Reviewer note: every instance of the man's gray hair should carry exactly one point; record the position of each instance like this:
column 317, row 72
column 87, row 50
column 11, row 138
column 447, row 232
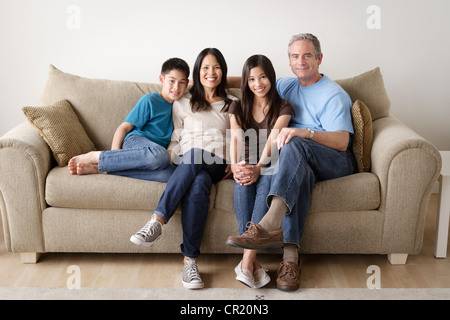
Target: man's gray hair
column 306, row 37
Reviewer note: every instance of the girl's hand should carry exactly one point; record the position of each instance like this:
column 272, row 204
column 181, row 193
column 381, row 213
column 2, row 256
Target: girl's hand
column 246, row 174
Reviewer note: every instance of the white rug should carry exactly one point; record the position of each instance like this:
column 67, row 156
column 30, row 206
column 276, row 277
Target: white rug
column 19, row 293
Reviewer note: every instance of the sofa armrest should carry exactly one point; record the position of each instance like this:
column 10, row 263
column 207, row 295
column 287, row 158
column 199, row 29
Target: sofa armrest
column 25, row 160
column 407, row 166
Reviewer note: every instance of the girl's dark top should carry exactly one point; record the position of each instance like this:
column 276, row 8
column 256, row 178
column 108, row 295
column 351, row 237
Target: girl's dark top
column 256, row 138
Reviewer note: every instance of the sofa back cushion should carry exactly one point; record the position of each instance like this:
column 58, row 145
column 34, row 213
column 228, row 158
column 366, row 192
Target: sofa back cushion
column 101, row 105
column 369, row 88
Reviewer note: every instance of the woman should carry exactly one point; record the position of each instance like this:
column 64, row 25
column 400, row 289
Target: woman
column 198, row 147
column 259, row 116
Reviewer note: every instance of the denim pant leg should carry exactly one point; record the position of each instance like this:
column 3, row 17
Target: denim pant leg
column 250, row 201
column 139, row 158
column 293, row 224
column 194, row 211
column 188, row 181
column 303, row 162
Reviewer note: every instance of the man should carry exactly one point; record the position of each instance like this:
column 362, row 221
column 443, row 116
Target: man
column 314, row 147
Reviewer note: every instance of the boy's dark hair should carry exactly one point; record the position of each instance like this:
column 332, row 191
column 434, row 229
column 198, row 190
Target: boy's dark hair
column 175, row 64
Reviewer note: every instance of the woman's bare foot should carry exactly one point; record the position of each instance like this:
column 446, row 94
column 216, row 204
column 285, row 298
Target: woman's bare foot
column 90, row 158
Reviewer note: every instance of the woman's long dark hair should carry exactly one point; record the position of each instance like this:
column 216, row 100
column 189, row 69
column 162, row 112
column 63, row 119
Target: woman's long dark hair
column 243, row 110
column 198, row 101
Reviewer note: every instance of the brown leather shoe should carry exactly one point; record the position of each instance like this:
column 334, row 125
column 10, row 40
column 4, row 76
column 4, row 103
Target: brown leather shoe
column 288, row 276
column 257, row 238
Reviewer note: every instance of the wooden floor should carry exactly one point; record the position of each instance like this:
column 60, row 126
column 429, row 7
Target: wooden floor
column 164, row 270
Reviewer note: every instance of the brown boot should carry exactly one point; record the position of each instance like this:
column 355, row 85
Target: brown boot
column 288, row 276
column 257, row 238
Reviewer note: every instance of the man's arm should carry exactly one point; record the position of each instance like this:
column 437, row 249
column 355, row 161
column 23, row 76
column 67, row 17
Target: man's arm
column 337, row 140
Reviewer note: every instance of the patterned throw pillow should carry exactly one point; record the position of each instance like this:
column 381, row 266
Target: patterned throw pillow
column 61, row 129
column 363, row 137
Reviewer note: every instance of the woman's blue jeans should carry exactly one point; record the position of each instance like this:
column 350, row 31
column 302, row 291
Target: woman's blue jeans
column 250, row 201
column 190, row 185
column 139, row 158
column 302, row 163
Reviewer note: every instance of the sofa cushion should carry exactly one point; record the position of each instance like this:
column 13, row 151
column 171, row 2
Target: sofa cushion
column 101, row 105
column 369, row 87
column 363, row 137
column 101, row 191
column 356, row 192
column 61, row 129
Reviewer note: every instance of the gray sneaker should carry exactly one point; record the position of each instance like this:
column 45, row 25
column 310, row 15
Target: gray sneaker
column 147, row 236
column 191, row 277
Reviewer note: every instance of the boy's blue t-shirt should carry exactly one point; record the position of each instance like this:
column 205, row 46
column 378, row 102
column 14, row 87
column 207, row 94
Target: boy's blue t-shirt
column 152, row 118
column 323, row 106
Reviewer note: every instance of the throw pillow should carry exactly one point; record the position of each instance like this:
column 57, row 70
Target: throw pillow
column 61, row 129
column 363, row 137
column 369, row 87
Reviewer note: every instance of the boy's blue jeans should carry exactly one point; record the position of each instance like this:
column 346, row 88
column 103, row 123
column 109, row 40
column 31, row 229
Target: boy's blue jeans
column 139, row 158
column 190, row 185
column 302, row 163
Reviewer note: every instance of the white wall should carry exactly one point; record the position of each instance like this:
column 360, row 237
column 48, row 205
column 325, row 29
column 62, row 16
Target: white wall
column 129, row 40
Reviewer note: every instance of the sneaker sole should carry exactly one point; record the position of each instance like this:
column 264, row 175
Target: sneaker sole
column 274, row 245
column 194, row 286
column 262, row 283
column 141, row 243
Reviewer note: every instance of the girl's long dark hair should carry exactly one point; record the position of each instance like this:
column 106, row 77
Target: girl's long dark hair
column 243, row 110
column 198, row 101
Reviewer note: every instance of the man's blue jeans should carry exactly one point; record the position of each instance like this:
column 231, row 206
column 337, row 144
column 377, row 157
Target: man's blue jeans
column 139, row 158
column 302, row 163
column 190, row 185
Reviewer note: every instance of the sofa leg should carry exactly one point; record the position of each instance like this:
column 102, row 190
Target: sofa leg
column 29, row 257
column 397, row 258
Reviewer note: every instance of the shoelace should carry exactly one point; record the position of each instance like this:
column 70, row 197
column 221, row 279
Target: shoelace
column 150, row 228
column 288, row 270
column 251, row 228
column 192, row 270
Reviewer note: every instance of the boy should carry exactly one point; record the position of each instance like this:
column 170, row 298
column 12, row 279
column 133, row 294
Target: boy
column 139, row 144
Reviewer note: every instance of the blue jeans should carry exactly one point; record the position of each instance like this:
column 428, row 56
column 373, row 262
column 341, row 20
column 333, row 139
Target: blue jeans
column 190, row 185
column 139, row 158
column 250, row 201
column 302, row 163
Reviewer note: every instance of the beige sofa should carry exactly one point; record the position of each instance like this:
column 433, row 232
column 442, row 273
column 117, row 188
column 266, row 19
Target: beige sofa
column 44, row 209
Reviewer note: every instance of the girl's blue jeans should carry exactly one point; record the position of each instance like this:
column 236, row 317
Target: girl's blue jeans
column 250, row 201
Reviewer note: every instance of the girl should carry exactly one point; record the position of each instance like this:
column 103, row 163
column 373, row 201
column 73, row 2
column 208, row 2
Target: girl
column 259, row 116
column 198, row 145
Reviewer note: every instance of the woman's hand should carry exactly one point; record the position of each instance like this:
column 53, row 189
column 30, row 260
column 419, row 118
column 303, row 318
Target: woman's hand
column 228, row 172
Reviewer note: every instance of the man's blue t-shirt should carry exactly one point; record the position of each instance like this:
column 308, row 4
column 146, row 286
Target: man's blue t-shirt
column 152, row 118
column 323, row 106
